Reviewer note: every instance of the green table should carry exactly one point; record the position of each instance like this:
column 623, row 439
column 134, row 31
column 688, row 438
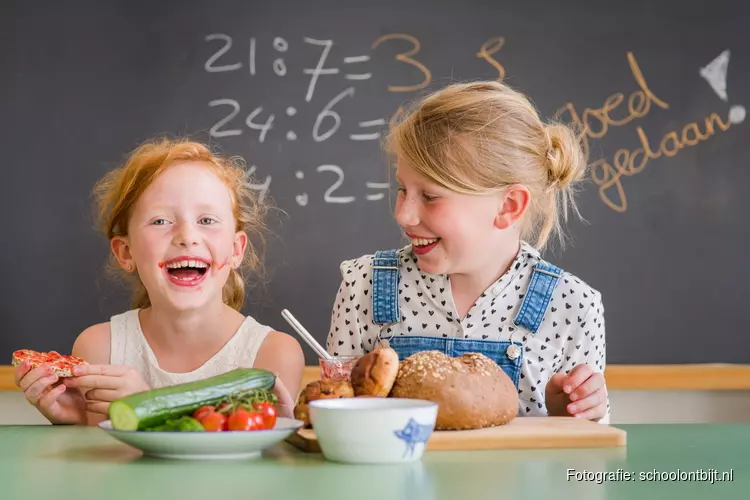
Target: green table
column 60, row 463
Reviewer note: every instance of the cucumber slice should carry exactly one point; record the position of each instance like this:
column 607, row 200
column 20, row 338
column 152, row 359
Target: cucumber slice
column 154, row 407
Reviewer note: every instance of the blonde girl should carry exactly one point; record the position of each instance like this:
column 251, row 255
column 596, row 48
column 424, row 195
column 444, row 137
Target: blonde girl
column 483, row 184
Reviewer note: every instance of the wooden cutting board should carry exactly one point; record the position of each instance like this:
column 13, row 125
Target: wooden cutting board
column 521, row 433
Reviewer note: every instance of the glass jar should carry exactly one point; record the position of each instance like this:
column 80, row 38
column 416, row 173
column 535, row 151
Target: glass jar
column 338, row 367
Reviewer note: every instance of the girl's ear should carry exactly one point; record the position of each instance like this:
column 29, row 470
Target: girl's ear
column 513, row 204
column 238, row 249
column 120, row 246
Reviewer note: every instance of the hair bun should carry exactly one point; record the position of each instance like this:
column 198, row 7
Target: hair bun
column 564, row 157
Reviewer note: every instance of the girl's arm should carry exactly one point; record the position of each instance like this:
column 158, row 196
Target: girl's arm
column 93, row 345
column 587, row 347
column 352, row 331
column 280, row 353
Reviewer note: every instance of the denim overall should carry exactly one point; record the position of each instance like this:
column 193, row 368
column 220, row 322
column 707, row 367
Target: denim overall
column 508, row 355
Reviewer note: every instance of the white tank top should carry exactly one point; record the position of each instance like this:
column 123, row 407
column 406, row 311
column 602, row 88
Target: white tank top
column 128, row 346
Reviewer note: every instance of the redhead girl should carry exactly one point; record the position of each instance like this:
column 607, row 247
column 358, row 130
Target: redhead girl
column 179, row 220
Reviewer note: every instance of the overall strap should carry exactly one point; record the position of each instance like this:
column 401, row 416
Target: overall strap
column 538, row 296
column 385, row 278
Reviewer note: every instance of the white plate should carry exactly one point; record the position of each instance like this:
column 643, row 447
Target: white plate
column 205, row 445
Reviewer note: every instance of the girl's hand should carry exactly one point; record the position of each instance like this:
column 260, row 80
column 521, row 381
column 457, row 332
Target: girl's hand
column 53, row 400
column 285, row 403
column 102, row 384
column 582, row 393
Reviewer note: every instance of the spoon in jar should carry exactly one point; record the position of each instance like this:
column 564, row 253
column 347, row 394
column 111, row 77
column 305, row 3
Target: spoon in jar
column 306, row 336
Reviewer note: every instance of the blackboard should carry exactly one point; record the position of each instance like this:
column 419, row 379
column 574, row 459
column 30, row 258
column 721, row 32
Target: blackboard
column 84, row 82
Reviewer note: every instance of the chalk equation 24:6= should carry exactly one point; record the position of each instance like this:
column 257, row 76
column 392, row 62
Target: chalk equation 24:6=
column 226, row 127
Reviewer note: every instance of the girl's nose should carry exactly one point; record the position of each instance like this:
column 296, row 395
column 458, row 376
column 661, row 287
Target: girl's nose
column 186, row 235
column 407, row 212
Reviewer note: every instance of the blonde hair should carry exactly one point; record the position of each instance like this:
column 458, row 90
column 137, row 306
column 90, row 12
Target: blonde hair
column 119, row 190
column 480, row 137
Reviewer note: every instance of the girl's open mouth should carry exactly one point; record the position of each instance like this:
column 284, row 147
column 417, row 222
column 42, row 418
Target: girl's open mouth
column 422, row 246
column 186, row 272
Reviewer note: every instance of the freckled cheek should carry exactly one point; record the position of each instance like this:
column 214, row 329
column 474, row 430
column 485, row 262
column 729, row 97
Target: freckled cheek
column 442, row 221
column 214, row 251
column 148, row 249
column 221, row 249
column 459, row 232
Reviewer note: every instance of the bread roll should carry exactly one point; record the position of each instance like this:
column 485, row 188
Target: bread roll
column 320, row 389
column 375, row 373
column 472, row 390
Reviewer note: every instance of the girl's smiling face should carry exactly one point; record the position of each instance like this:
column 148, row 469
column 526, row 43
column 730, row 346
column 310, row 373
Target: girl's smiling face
column 450, row 232
column 182, row 237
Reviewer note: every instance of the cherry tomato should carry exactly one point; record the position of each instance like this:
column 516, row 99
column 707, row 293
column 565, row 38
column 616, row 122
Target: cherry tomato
column 239, row 420
column 213, row 421
column 269, row 414
column 258, row 423
column 243, row 420
column 203, row 410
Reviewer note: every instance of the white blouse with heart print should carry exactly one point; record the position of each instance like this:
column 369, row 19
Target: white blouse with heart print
column 571, row 333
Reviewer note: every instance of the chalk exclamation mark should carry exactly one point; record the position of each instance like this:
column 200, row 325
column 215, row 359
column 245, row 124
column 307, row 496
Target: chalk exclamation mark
column 715, row 74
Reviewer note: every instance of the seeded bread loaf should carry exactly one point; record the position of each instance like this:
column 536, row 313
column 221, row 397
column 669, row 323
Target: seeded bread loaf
column 472, row 391
column 375, row 373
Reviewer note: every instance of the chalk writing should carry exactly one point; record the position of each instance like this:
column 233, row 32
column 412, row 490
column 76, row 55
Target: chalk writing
column 328, row 197
column 596, row 122
column 318, row 70
column 380, row 186
column 490, row 48
column 406, row 57
column 263, row 128
column 281, row 45
column 618, row 110
column 252, row 56
column 215, row 130
column 630, row 162
column 329, row 113
column 261, row 188
column 371, row 136
column 209, row 66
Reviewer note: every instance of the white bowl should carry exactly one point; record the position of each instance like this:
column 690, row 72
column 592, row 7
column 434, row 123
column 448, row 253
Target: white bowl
column 373, row 430
column 205, row 445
